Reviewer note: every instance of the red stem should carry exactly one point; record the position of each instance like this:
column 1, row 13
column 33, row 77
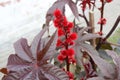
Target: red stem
column 101, row 25
column 66, row 47
column 102, row 14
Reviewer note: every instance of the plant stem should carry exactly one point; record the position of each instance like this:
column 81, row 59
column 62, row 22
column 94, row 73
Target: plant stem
column 85, row 18
column 109, row 34
column 66, row 47
column 102, row 14
column 101, row 26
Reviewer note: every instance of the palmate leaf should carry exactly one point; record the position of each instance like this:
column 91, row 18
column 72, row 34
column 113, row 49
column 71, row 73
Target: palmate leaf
column 26, row 65
column 106, row 69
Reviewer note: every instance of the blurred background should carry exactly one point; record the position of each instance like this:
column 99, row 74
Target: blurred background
column 24, row 18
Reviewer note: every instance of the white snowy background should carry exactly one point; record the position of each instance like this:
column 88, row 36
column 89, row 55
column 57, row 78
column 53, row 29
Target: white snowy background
column 24, row 18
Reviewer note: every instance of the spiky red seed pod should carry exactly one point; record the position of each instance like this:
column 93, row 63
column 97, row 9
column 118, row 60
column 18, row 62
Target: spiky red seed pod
column 71, row 43
column 60, row 57
column 65, row 22
column 60, row 32
column 70, row 52
column 59, row 43
column 70, row 25
column 57, row 13
column 73, row 36
column 56, row 23
column 63, row 52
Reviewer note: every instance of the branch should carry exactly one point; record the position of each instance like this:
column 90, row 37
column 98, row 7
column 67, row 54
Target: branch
column 113, row 28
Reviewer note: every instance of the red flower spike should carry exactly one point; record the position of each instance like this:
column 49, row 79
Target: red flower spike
column 108, row 1
column 70, row 25
column 57, row 13
column 71, row 52
column 73, row 36
column 60, row 32
column 102, row 21
column 59, row 43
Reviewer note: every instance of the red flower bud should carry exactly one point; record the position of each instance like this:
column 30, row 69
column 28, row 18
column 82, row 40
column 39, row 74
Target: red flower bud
column 102, row 21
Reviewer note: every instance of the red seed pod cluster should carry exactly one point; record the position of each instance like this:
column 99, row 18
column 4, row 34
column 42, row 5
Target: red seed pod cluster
column 64, row 29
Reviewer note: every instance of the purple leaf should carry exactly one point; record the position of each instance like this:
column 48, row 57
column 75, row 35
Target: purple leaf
column 78, row 54
column 89, row 36
column 23, row 66
column 30, row 71
column 107, row 69
column 96, row 78
column 22, row 50
column 116, row 59
column 80, row 33
column 54, row 73
column 15, row 63
column 47, row 47
column 36, row 44
column 73, row 8
column 51, row 49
